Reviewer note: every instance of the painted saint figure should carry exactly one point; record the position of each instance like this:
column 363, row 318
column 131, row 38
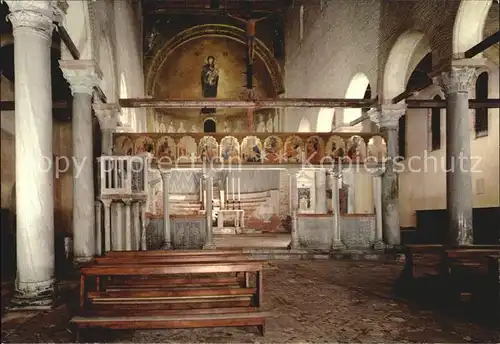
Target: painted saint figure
column 209, row 78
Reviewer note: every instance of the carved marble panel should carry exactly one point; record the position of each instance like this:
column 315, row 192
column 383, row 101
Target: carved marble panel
column 315, row 232
column 188, row 233
column 357, row 231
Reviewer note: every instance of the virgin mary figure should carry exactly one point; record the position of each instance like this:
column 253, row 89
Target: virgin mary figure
column 209, row 78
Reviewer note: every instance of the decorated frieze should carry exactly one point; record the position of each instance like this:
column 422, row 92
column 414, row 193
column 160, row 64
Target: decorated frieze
column 247, row 148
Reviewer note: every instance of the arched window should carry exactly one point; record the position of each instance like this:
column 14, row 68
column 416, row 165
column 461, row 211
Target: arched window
column 481, row 117
column 209, row 126
column 301, row 22
column 436, row 126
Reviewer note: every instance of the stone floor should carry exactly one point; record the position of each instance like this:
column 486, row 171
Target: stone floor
column 310, row 301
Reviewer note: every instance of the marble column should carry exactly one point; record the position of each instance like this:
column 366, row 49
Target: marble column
column 336, row 236
column 293, row 204
column 128, row 223
column 144, row 226
column 98, row 228
column 107, row 224
column 136, row 214
column 117, row 243
column 377, row 201
column 82, row 76
column 167, row 243
column 320, row 184
column 32, row 24
column 209, row 182
column 456, row 84
column 108, row 115
column 387, row 118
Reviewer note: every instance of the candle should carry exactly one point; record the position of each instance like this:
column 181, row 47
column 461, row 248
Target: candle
column 232, row 186
column 239, row 189
column 201, row 190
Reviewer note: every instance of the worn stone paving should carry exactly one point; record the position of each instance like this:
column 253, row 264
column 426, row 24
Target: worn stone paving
column 310, row 301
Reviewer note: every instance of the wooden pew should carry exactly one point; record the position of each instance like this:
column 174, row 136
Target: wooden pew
column 156, row 253
column 494, row 280
column 422, row 260
column 174, row 308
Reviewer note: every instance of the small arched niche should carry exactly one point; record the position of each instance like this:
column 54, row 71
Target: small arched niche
column 209, row 126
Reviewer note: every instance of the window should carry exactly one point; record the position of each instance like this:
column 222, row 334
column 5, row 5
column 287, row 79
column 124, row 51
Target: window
column 301, row 22
column 402, row 137
column 436, row 126
column 481, row 117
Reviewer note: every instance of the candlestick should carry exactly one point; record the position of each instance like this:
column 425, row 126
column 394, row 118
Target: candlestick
column 239, row 179
column 232, row 186
column 201, row 190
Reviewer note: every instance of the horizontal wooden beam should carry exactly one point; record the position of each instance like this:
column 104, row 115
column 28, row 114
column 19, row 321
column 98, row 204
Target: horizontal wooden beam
column 290, row 102
column 245, row 104
column 483, row 45
column 10, row 105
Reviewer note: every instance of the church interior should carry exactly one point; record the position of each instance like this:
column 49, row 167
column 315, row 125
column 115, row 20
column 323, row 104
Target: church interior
column 162, row 159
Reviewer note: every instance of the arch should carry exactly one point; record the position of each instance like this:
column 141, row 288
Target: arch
column 209, row 125
column 481, row 115
column 304, row 126
column 325, row 120
column 356, row 90
column 107, row 65
column 469, row 24
column 215, row 30
column 411, row 46
column 77, row 22
column 126, row 116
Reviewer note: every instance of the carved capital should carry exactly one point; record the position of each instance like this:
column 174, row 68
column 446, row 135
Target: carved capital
column 458, row 79
column 388, row 115
column 165, row 174
column 108, row 115
column 31, row 17
column 82, row 75
column 376, row 171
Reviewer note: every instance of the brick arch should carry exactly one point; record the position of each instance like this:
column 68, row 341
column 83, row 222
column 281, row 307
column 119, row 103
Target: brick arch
column 469, row 24
column 401, row 58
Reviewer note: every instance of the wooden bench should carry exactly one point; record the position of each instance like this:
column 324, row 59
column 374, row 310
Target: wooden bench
column 423, row 260
column 178, row 307
column 494, row 280
column 155, row 253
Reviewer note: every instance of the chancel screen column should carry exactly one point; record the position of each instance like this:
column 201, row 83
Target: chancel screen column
column 83, row 76
column 209, row 182
column 456, row 84
column 377, row 201
column 336, row 236
column 320, row 184
column 32, row 24
column 293, row 204
column 108, row 116
column 167, row 243
column 387, row 118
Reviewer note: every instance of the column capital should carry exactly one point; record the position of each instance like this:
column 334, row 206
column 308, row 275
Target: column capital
column 458, row 79
column 36, row 16
column 376, row 171
column 387, row 115
column 108, row 115
column 82, row 75
column 335, row 173
column 165, row 174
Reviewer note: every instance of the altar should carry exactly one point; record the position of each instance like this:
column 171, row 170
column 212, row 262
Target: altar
column 236, row 216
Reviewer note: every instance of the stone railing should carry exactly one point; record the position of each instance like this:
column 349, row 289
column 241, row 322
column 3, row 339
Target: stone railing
column 123, row 176
column 248, row 148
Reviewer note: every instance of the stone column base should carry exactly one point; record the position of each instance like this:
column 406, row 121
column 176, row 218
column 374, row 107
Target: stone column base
column 42, row 296
column 79, row 261
column 209, row 246
column 337, row 245
column 379, row 245
column 166, row 246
